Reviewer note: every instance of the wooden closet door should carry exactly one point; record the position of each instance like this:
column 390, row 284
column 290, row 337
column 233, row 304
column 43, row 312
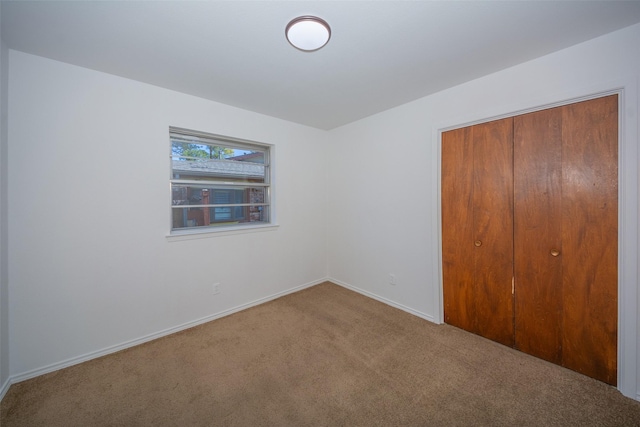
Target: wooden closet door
column 477, row 219
column 536, row 197
column 538, row 233
column 590, row 237
column 565, row 228
column 458, row 267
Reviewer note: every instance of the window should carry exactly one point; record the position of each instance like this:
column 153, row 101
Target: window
column 218, row 181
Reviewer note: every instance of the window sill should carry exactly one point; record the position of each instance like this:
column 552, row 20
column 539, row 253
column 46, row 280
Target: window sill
column 221, row 231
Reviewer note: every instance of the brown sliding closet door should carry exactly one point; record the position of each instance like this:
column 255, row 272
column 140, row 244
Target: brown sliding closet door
column 535, row 198
column 538, row 233
column 477, row 212
column 590, row 237
column 566, row 210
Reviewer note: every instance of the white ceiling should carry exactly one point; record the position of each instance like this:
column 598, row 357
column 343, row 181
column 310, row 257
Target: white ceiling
column 381, row 53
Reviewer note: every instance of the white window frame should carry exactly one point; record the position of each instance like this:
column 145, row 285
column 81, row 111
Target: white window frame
column 180, row 233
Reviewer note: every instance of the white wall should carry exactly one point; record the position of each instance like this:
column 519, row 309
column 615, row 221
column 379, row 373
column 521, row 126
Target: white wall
column 90, row 266
column 4, row 254
column 384, row 206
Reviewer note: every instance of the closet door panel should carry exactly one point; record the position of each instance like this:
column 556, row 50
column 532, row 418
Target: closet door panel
column 538, row 233
column 457, row 234
column 590, row 230
column 493, row 228
column 477, row 229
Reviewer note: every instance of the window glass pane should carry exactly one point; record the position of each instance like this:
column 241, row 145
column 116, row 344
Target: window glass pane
column 185, row 217
column 217, row 181
column 221, row 170
column 216, row 195
column 191, row 159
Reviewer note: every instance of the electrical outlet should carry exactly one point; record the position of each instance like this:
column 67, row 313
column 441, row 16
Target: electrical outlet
column 392, row 279
column 216, row 288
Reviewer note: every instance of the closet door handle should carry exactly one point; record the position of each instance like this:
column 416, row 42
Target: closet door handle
column 478, row 243
column 555, row 252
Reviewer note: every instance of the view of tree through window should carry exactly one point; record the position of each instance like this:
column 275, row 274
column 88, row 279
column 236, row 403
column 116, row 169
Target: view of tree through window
column 218, row 181
column 186, row 150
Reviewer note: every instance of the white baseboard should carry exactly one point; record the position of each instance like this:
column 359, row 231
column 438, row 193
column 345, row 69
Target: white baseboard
column 106, row 351
column 132, row 343
column 5, row 388
column 384, row 300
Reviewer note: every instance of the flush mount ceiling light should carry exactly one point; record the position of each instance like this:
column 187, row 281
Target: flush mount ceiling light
column 308, row 33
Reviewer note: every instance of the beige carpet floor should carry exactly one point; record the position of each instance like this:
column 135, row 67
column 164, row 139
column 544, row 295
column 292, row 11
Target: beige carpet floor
column 324, row 356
